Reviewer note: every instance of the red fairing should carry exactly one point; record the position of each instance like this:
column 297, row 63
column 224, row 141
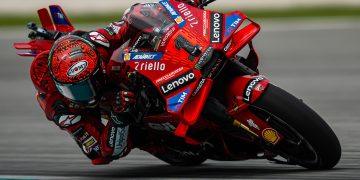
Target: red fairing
column 246, row 89
column 35, row 47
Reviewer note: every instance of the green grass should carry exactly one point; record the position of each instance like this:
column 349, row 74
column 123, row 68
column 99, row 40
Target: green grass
column 306, row 12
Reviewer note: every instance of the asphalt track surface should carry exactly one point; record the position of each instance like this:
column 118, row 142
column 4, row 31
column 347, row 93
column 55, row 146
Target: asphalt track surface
column 318, row 61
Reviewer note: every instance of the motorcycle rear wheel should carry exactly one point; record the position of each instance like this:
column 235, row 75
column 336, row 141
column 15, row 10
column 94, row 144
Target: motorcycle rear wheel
column 316, row 143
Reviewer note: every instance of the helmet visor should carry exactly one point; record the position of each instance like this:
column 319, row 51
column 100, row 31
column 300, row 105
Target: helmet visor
column 83, row 92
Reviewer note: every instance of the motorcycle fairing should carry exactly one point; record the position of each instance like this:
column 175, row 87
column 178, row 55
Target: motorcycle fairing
column 193, row 25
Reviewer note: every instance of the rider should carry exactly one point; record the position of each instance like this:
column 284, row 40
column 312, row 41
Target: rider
column 90, row 99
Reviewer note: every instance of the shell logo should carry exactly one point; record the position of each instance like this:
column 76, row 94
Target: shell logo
column 127, row 56
column 270, row 135
column 179, row 19
column 77, row 68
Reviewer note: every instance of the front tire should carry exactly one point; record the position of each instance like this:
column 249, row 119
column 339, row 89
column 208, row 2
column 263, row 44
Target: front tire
column 284, row 107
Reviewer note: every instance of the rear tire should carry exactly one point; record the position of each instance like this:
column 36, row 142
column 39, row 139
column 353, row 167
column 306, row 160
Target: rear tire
column 305, row 122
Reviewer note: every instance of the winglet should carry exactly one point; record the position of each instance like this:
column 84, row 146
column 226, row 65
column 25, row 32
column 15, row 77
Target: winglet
column 45, row 19
column 61, row 21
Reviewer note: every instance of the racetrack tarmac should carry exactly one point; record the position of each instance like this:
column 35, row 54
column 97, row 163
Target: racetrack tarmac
column 318, row 61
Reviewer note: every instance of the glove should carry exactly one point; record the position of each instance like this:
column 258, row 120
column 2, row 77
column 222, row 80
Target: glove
column 123, row 101
column 195, row 3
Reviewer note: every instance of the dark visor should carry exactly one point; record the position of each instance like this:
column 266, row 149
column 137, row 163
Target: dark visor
column 82, row 92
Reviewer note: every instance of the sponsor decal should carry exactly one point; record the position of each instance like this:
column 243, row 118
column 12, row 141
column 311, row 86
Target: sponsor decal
column 214, row 68
column 205, row 24
column 115, row 28
column 75, row 54
column 205, row 57
column 90, row 143
column 136, row 44
column 60, row 15
column 175, row 102
column 270, row 135
column 200, row 85
column 162, row 126
column 250, row 87
column 111, row 137
column 231, row 22
column 184, row 10
column 173, row 13
column 110, row 31
column 75, row 106
column 178, row 83
column 252, row 124
column 77, row 68
column 76, row 51
column 169, row 76
column 216, row 27
column 120, row 140
column 99, row 38
column 226, row 48
column 166, row 37
column 142, row 56
column 149, row 66
column 115, row 119
column 259, row 87
column 67, row 120
column 119, row 23
column 148, row 5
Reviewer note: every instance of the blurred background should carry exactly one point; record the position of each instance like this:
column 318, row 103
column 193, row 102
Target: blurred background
column 309, row 48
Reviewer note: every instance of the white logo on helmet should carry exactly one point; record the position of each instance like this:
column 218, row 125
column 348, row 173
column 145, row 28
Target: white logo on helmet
column 77, row 68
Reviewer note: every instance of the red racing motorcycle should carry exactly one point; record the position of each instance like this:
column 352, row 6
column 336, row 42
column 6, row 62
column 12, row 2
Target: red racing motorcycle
column 185, row 62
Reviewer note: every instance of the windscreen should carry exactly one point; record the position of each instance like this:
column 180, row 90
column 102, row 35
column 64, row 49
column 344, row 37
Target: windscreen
column 151, row 18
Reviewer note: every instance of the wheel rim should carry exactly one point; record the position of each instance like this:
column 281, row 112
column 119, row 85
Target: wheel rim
column 294, row 147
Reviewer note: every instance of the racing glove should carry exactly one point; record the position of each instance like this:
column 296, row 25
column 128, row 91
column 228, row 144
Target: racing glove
column 123, row 101
column 194, row 3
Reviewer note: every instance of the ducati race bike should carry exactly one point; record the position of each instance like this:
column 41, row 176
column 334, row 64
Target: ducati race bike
column 185, row 62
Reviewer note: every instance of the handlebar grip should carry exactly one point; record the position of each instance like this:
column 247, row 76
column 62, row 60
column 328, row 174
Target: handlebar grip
column 38, row 31
column 183, row 43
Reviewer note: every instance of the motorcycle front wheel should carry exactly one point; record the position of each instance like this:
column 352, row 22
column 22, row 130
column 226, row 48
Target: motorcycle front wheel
column 308, row 140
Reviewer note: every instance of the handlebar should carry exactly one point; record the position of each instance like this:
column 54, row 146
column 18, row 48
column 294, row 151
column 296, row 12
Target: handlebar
column 38, row 31
column 206, row 3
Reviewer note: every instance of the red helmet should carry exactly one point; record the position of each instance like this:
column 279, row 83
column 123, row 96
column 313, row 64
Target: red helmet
column 76, row 68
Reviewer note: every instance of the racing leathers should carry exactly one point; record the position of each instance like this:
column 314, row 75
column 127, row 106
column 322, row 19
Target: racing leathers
column 101, row 130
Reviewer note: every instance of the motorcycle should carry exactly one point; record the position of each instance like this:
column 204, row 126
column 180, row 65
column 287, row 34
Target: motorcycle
column 185, row 57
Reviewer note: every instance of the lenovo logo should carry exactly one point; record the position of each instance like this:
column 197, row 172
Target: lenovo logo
column 250, row 88
column 216, row 27
column 178, row 83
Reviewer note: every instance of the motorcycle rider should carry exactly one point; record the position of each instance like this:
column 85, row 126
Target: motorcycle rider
column 90, row 99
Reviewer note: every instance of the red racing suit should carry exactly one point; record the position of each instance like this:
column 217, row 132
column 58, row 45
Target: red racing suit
column 102, row 135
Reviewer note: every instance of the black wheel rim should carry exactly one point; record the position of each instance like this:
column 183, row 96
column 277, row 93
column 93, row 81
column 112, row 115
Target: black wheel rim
column 294, row 147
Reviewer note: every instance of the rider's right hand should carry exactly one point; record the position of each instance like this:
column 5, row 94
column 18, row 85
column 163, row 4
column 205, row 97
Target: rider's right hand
column 123, row 101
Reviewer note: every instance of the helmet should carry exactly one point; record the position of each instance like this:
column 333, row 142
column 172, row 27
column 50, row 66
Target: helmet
column 77, row 70
column 39, row 73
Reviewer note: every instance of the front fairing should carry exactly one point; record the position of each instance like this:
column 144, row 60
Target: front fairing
column 176, row 73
